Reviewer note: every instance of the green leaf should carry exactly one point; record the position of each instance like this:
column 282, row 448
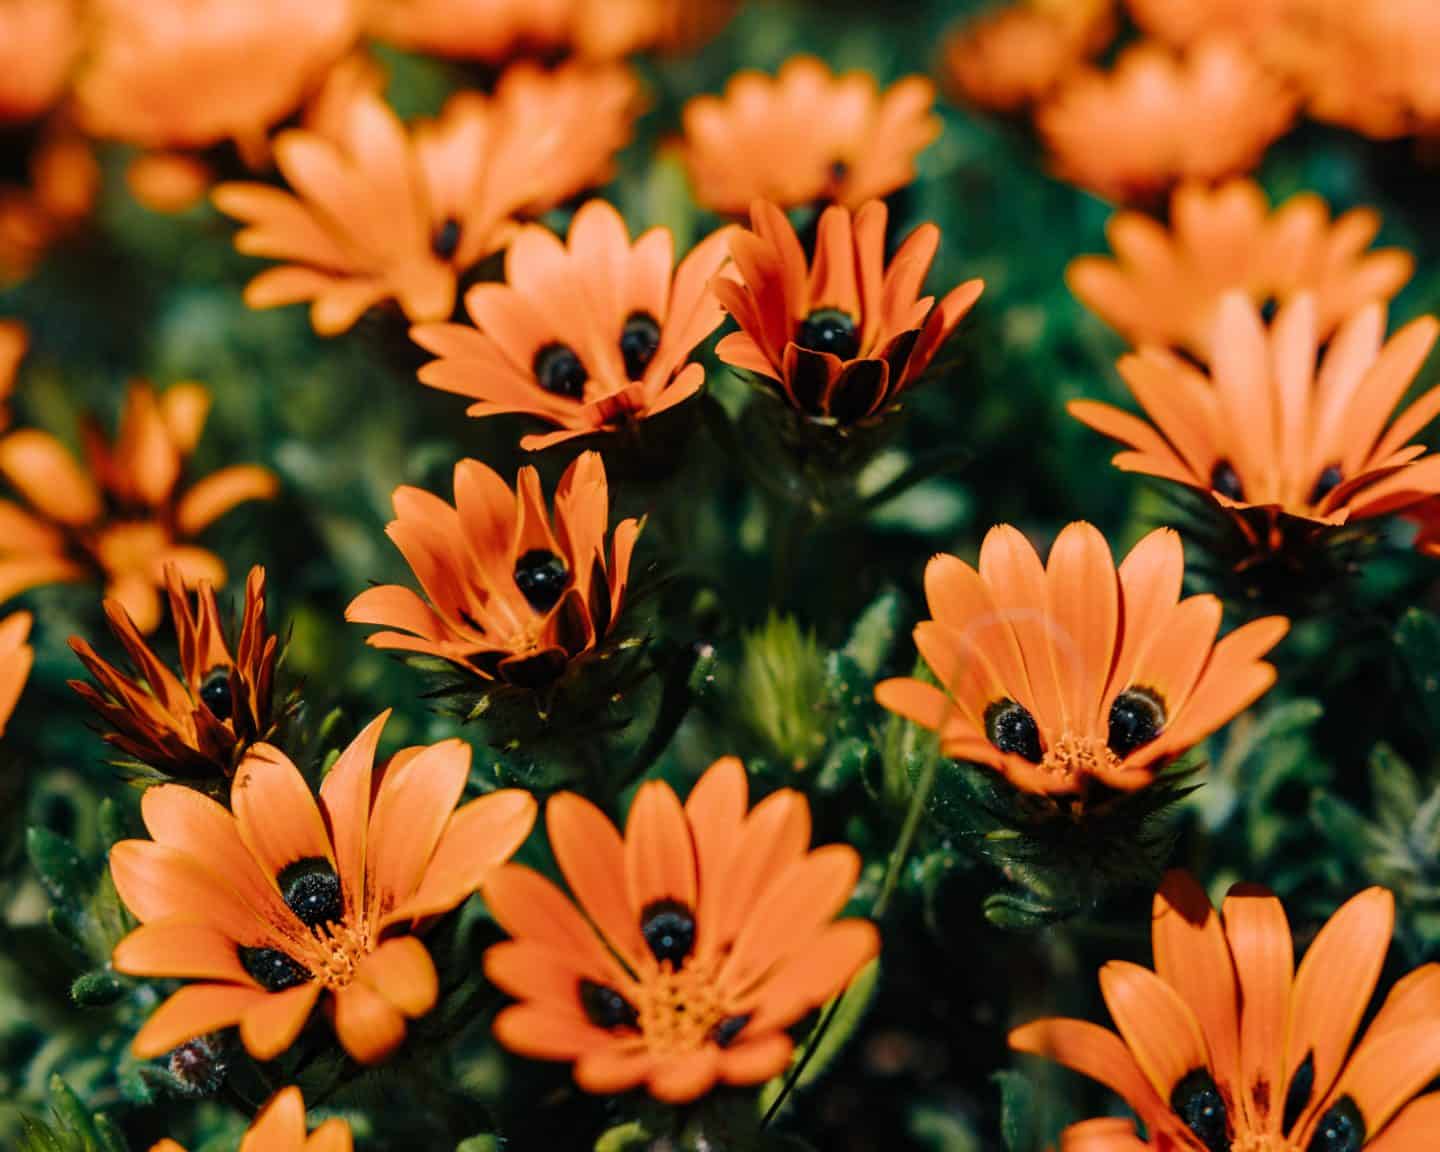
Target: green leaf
column 485, row 1143
column 632, row 1137
column 97, row 989
column 873, row 637
column 60, row 867
column 1018, row 1108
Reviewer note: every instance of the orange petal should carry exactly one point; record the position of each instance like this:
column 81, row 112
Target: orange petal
column 401, row 970
column 1260, row 942
column 530, row 907
column 815, row 974
column 1413, row 1130
column 755, row 1061
column 279, row 1126
column 1099, row 1054
column 41, row 470
column 540, row 1033
column 687, row 1076
column 659, row 852
column 1082, row 609
column 1157, row 1025
column 591, row 856
column 368, row 1025
column 775, row 834
column 191, row 1012
column 276, row 811
column 1107, row 1134
column 1385, row 1075
column 615, row 1067
column 270, row 1026
column 345, row 804
column 210, row 498
column 715, row 809
column 157, row 882
column 183, row 950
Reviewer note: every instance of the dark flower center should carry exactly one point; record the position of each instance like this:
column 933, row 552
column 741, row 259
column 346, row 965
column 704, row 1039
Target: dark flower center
column 1329, row 480
column 1341, row 1129
column 446, row 239
column 638, row 343
column 606, row 1008
column 669, row 928
column 1010, row 727
column 1302, row 1084
column 829, row 330
column 1225, row 480
column 1136, row 718
column 541, row 577
column 215, row 694
column 272, row 969
column 1198, row 1103
column 728, row 1030
column 312, row 890
column 560, row 371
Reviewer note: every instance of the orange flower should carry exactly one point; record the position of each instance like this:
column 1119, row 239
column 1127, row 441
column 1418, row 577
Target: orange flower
column 283, row 901
column 1226, row 1044
column 39, row 40
column 1161, row 117
column 1265, row 430
column 64, row 183
column 508, row 596
column 14, row 340
column 1185, row 21
column 16, row 658
column 588, row 337
column 697, row 941
column 200, row 724
column 125, row 518
column 380, row 214
column 280, row 1127
column 806, row 135
column 841, row 337
column 1074, row 673
column 1164, row 286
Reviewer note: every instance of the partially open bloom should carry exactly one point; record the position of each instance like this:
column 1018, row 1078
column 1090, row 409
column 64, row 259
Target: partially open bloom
column 39, row 40
column 806, row 136
column 63, row 181
column 277, row 902
column 280, row 1127
column 685, row 949
column 200, row 724
column 1073, row 674
column 840, row 337
column 16, row 658
column 1266, row 431
column 510, row 595
column 126, row 516
column 1160, row 117
column 1226, row 1044
column 587, row 336
column 1164, row 286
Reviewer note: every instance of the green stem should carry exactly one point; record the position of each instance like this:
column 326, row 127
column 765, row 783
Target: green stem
column 918, row 799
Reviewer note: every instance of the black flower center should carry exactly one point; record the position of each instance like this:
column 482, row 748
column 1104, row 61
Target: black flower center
column 1302, row 1084
column 446, row 240
column 1010, row 727
column 728, row 1030
column 1225, row 480
column 215, row 694
column 1341, row 1129
column 638, row 343
column 669, row 928
column 560, row 371
column 312, row 890
column 541, row 577
column 829, row 330
column 1136, row 718
column 606, row 1008
column 1329, row 480
column 1198, row 1103
column 272, row 969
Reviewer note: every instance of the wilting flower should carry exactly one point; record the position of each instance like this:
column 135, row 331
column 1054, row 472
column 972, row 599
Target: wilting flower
column 1071, row 674
column 806, row 136
column 839, row 337
column 1226, row 1044
column 378, row 213
column 1265, row 430
column 39, row 40
column 510, row 595
column 686, row 949
column 16, row 658
column 1160, row 117
column 588, row 336
column 281, row 902
column 64, row 181
column 1165, row 286
column 125, row 517
column 201, row 723
column 280, row 1127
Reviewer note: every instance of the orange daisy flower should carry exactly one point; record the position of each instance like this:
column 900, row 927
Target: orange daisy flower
column 840, row 337
column 280, row 1127
column 697, row 941
column 39, row 40
column 16, row 659
column 1265, row 430
column 64, row 181
column 637, row 316
column 124, row 518
column 1164, row 286
column 1227, row 1044
column 284, row 901
column 1160, row 117
column 805, row 136
column 197, row 725
column 379, row 213
column 510, row 594
column 1073, row 673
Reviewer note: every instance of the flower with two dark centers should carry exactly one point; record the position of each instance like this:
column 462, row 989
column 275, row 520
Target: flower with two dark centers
column 280, row 1127
column 839, row 337
column 1227, row 1046
column 510, row 595
column 1069, row 675
column 199, row 724
column 280, row 901
column 591, row 335
column 686, row 948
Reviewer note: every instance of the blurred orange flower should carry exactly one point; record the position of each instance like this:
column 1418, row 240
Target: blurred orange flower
column 1164, row 285
column 64, row 183
column 840, row 337
column 1185, row 21
column 39, row 40
column 806, row 136
column 587, row 336
column 124, row 517
column 280, row 1127
column 14, row 340
column 509, row 594
column 16, row 658
column 1160, row 117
